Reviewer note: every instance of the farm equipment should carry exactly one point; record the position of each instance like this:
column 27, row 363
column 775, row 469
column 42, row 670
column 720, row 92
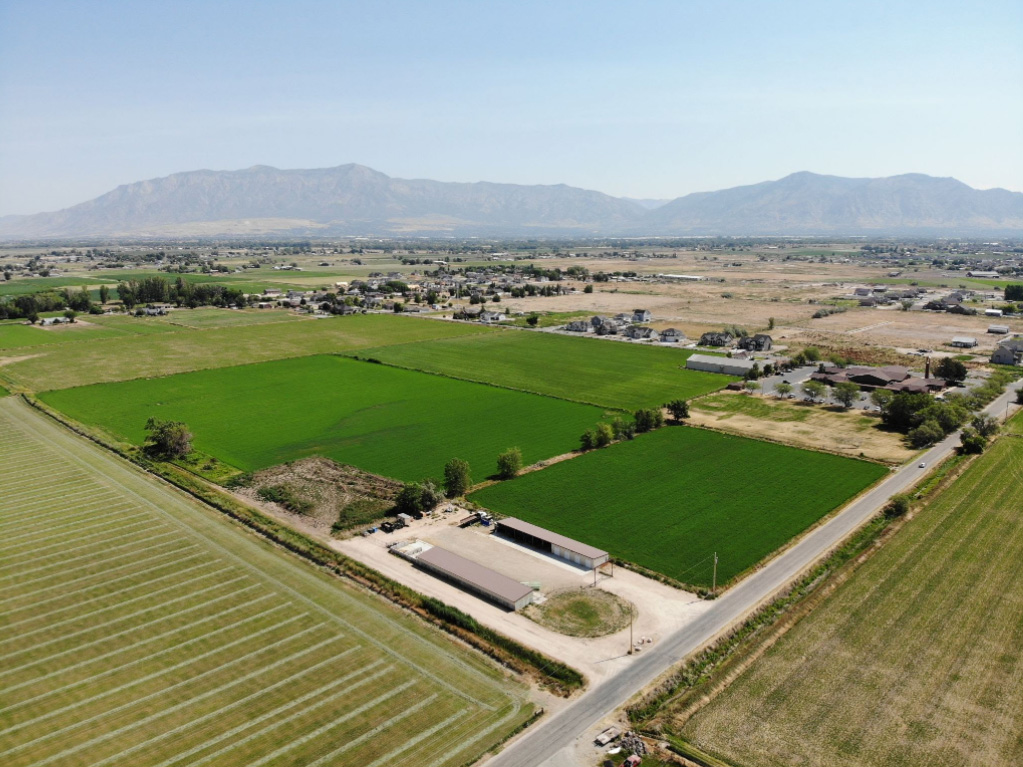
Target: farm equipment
column 472, row 519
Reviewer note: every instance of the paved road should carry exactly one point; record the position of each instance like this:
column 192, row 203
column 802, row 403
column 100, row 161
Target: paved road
column 542, row 745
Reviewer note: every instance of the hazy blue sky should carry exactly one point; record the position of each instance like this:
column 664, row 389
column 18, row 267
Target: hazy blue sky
column 646, row 99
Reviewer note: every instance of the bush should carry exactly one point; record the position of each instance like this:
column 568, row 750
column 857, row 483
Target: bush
column 972, row 441
column 648, row 419
column 951, row 370
column 286, row 497
column 509, row 463
column 417, row 497
column 897, row 506
column 167, row 439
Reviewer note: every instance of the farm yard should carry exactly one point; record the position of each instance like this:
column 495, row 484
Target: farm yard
column 925, row 636
column 604, row 373
column 669, row 499
column 393, row 422
column 117, row 359
column 138, row 628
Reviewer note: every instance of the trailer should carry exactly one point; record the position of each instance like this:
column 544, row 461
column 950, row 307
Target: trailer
column 611, row 733
column 472, row 519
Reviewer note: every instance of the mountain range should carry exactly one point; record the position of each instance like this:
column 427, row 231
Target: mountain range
column 356, row 200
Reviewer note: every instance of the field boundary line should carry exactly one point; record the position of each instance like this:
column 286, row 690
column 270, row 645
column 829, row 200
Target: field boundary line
column 119, row 619
column 86, row 556
column 98, row 597
column 39, row 531
column 29, row 554
column 269, row 714
column 149, row 595
column 335, row 722
column 162, row 712
column 98, row 574
column 130, row 629
column 143, row 659
column 371, row 733
column 419, row 738
column 86, row 588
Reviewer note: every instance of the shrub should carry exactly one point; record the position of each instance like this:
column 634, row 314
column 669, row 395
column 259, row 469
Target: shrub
column 897, row 506
column 509, row 463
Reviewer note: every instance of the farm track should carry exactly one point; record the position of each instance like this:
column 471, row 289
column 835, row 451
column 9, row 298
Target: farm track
column 168, row 637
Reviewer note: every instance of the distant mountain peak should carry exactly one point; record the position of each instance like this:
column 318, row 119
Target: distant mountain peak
column 353, row 199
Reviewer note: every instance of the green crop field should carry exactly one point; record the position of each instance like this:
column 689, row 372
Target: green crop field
column 669, row 499
column 37, row 284
column 117, row 359
column 394, row 422
column 18, row 335
column 139, row 628
column 604, row 373
column 914, row 661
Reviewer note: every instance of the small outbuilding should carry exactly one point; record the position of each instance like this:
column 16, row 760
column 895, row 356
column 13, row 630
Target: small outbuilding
column 964, row 342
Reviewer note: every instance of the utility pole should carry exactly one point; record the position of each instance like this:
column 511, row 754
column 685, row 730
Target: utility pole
column 714, row 587
column 631, row 643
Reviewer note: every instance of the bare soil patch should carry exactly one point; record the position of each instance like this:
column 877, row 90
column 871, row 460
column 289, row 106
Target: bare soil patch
column 325, row 497
column 852, row 433
column 587, row 612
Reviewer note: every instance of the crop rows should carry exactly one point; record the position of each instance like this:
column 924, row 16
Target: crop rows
column 136, row 629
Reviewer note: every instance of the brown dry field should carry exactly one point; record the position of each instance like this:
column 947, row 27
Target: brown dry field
column 849, row 433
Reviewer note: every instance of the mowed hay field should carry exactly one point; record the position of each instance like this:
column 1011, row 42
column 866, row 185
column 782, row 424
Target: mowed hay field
column 671, row 498
column 394, row 422
column 138, row 628
column 609, row 374
column 915, row 661
column 122, row 358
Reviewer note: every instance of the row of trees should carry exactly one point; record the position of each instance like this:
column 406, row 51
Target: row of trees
column 150, row 290
column 643, row 420
column 30, row 305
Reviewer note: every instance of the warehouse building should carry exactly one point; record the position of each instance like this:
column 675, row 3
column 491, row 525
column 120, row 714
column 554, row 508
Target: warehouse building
column 475, row 578
column 559, row 545
column 710, row 364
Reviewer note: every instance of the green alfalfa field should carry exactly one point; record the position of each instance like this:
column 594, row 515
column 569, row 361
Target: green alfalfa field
column 610, row 374
column 671, row 498
column 160, row 346
column 386, row 420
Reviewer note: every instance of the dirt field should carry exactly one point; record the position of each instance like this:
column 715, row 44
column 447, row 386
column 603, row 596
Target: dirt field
column 340, row 497
column 792, row 422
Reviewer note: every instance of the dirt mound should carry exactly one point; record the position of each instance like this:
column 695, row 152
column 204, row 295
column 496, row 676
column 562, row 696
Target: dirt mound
column 321, row 495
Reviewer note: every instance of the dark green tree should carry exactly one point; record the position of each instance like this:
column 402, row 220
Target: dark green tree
column 167, row 439
column 456, row 478
column 678, row 408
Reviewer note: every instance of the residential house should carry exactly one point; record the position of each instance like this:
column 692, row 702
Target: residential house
column 1009, row 352
column 716, row 339
column 672, row 336
column 641, row 315
column 761, row 342
column 640, row 333
column 578, row 326
column 489, row 316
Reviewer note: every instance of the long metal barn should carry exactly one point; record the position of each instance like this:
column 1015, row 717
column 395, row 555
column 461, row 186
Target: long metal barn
column 574, row 551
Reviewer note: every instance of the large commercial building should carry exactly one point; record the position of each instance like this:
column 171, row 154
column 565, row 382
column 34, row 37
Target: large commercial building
column 711, row 364
column 559, row 545
column 482, row 581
